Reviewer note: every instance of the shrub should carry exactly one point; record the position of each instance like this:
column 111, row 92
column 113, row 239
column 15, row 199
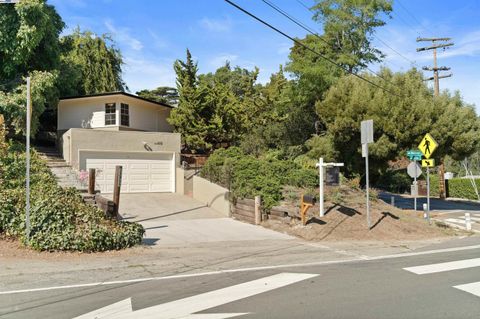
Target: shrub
column 462, row 188
column 59, row 218
column 247, row 176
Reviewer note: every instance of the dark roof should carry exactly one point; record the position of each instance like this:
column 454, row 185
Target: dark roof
column 116, row 93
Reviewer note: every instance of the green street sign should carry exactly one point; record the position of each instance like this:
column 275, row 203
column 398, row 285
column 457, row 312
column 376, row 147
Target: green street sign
column 414, row 155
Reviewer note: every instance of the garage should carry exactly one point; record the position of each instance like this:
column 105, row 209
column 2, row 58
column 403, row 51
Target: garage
column 142, row 172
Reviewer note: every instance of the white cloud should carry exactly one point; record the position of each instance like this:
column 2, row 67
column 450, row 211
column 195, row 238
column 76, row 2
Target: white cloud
column 220, row 60
column 122, row 35
column 216, row 25
column 141, row 73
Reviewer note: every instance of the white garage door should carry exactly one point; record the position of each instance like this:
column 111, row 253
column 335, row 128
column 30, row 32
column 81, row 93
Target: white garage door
column 138, row 175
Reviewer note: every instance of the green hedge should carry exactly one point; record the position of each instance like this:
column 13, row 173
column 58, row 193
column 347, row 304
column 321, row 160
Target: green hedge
column 462, row 188
column 60, row 220
column 247, row 176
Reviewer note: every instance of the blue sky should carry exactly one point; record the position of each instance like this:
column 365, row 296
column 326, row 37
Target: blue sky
column 153, row 33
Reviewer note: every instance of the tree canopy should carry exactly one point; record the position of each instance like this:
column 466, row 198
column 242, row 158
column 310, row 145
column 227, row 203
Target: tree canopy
column 90, row 64
column 162, row 94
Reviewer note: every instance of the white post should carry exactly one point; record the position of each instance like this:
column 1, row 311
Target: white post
column 367, row 186
column 258, row 213
column 468, row 222
column 27, row 173
column 320, row 169
column 416, row 187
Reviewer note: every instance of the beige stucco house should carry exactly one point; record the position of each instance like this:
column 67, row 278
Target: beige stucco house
column 104, row 130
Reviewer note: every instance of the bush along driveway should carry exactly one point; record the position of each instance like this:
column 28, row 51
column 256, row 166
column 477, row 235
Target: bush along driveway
column 60, row 220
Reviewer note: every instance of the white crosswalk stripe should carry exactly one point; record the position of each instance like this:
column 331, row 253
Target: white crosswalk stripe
column 447, row 266
column 472, row 288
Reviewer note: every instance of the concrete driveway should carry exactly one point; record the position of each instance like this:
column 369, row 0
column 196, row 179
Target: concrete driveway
column 178, row 220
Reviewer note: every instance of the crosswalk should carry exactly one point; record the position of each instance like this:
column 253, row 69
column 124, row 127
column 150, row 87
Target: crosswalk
column 458, row 219
column 472, row 288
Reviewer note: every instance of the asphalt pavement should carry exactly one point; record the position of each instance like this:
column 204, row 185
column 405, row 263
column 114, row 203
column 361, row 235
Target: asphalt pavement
column 450, row 212
column 439, row 283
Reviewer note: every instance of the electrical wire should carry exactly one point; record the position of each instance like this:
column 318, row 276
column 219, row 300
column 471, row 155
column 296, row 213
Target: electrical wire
column 306, row 28
column 379, row 39
column 411, row 14
column 308, row 48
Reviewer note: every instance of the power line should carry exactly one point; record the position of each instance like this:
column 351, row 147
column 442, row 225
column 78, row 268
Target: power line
column 304, row 5
column 308, row 48
column 401, row 55
column 379, row 39
column 411, row 14
column 306, row 28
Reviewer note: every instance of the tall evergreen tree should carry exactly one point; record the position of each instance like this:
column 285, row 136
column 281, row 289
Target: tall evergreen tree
column 192, row 116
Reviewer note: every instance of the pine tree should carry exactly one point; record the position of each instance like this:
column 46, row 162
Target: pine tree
column 191, row 117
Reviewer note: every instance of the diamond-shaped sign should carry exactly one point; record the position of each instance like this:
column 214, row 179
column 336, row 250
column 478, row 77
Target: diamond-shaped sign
column 428, row 145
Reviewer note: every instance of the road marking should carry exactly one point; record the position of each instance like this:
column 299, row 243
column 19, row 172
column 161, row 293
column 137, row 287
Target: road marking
column 186, row 307
column 441, row 267
column 473, row 288
column 114, row 310
column 227, row 271
column 457, row 220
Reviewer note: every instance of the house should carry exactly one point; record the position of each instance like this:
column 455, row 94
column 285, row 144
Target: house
column 104, row 130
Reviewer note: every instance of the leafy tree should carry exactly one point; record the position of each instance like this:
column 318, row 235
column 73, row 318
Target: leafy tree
column 400, row 119
column 348, row 27
column 29, row 45
column 90, row 64
column 29, row 32
column 162, row 94
column 12, row 104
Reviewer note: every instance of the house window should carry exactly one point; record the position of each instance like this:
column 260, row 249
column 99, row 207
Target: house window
column 110, row 114
column 124, row 115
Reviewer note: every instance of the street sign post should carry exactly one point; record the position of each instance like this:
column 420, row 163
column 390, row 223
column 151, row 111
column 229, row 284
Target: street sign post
column 321, row 164
column 427, row 146
column 27, row 162
column 366, row 137
column 414, row 170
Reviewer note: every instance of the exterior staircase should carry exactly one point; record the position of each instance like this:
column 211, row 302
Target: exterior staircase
column 66, row 176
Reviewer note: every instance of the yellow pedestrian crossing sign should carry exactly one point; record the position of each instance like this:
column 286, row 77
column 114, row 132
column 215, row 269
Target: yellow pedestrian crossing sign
column 428, row 145
column 428, row 163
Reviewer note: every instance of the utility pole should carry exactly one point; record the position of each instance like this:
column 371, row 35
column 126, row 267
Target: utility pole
column 437, row 43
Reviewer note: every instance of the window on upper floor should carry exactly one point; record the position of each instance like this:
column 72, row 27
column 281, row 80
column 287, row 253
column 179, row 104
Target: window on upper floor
column 110, row 116
column 124, row 115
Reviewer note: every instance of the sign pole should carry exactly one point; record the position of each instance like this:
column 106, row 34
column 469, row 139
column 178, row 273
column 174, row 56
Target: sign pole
column 428, row 194
column 416, row 187
column 367, row 186
column 320, row 170
column 27, row 164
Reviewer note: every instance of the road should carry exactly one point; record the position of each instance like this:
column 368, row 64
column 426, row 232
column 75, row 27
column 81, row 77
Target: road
column 449, row 212
column 435, row 282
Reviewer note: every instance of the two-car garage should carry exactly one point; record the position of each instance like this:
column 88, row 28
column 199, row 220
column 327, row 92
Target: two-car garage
column 141, row 172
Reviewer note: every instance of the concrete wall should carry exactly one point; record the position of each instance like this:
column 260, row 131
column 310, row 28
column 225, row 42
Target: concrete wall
column 212, row 195
column 89, row 112
column 76, row 140
column 180, row 181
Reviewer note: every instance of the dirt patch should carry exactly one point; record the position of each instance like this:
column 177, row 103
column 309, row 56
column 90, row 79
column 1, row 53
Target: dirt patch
column 13, row 249
column 346, row 219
